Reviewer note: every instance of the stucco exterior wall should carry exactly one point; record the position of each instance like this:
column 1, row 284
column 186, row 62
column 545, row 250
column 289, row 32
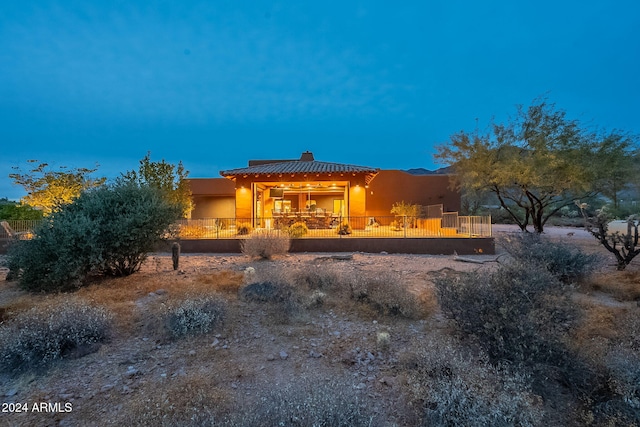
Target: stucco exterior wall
column 391, row 186
column 243, row 203
column 214, row 207
column 214, row 197
column 212, row 187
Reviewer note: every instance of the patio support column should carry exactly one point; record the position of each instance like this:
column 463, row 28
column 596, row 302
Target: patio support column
column 357, row 206
column 244, row 203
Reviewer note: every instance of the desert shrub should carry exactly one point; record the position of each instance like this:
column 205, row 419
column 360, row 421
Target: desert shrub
column 621, row 406
column 266, row 244
column 194, row 231
column 383, row 340
column 396, row 225
column 267, row 292
column 243, row 228
column 318, row 278
column 41, row 335
column 297, row 229
column 454, row 388
column 560, row 259
column 306, row 402
column 344, row 229
column 316, row 299
column 195, row 315
column 407, row 212
column 221, row 224
column 386, row 294
column 187, row 401
column 518, row 312
column 108, row 230
column 624, row 373
column 283, row 300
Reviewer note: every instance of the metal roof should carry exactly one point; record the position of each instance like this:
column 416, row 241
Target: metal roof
column 298, row 167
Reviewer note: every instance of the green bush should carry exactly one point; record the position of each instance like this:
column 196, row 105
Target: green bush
column 108, row 231
column 39, row 336
column 566, row 263
column 517, row 313
column 18, row 211
column 297, row 229
column 195, row 315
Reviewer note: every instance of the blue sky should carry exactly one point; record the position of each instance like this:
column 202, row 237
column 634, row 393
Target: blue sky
column 215, row 83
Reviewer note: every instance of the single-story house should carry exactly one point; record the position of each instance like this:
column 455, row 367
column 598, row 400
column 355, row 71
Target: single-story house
column 266, row 189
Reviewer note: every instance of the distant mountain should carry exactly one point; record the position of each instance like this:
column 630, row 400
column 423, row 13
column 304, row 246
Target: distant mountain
column 423, row 171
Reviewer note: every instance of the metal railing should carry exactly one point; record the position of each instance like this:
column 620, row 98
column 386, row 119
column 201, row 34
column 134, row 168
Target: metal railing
column 475, row 226
column 22, row 227
column 309, row 226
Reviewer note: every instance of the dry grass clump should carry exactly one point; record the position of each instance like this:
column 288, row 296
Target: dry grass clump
column 243, row 228
column 197, row 314
column 386, row 295
column 454, row 388
column 599, row 321
column 563, row 261
column 320, row 277
column 265, row 244
column 598, row 327
column 519, row 313
column 283, row 300
column 622, row 285
column 630, row 324
column 624, row 369
column 192, row 231
column 192, row 401
column 47, row 332
column 18, row 305
column 376, row 294
column 620, row 406
column 306, row 402
column 223, row 281
column 197, row 401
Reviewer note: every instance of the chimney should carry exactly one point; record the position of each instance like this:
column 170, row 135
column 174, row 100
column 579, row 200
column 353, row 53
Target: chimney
column 307, row 156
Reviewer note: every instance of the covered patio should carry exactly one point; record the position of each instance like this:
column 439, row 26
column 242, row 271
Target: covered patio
column 280, row 193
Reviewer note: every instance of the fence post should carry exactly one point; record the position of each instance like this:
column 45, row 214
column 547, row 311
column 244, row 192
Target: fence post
column 404, row 220
column 490, row 227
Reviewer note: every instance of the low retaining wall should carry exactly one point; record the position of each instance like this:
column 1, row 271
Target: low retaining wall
column 431, row 246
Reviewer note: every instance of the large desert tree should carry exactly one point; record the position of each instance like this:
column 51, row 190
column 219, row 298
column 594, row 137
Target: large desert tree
column 49, row 188
column 535, row 164
column 617, row 163
column 170, row 179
